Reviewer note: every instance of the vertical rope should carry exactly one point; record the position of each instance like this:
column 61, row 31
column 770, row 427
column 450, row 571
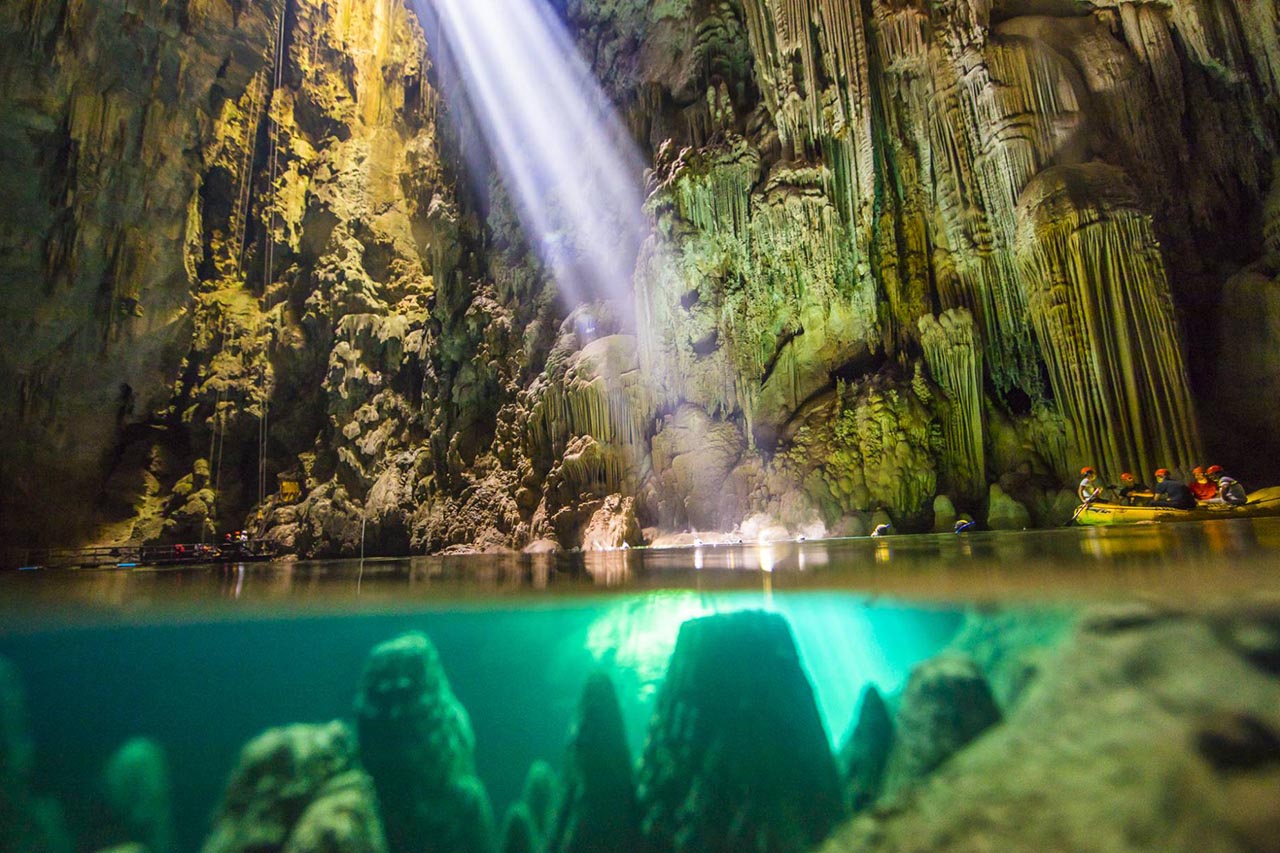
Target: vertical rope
column 273, row 147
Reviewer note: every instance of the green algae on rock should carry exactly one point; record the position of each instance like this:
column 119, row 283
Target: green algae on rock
column 246, row 248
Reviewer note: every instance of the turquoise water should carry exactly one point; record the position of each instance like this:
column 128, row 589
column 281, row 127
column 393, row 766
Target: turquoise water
column 201, row 660
column 203, row 689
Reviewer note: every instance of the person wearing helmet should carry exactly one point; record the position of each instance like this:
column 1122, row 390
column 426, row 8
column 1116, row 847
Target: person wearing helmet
column 1170, row 491
column 1133, row 491
column 1088, row 490
column 1229, row 490
column 1202, row 488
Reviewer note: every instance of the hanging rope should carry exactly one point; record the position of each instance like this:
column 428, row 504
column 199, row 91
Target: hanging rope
column 240, row 227
column 273, row 149
column 269, row 218
column 262, row 440
column 220, row 420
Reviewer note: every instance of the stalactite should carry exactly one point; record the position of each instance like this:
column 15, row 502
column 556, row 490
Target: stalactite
column 759, row 282
column 1101, row 306
column 953, row 351
column 828, row 39
column 995, row 125
column 602, row 397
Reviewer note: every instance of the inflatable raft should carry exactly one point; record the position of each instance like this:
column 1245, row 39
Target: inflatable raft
column 1262, row 502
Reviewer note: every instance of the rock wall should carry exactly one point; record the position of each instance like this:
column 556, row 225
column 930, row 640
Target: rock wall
column 257, row 269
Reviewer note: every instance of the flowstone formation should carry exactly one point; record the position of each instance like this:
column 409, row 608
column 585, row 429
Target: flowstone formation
column 737, row 757
column 260, row 271
column 416, row 743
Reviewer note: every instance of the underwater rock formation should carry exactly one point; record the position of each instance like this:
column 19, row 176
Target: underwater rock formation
column 599, row 810
column 541, row 796
column 736, row 730
column 138, row 795
column 416, row 743
column 27, row 822
column 519, row 835
column 298, row 788
column 947, row 703
column 1144, row 711
column 866, row 751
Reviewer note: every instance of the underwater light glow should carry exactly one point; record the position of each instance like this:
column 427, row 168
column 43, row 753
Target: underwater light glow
column 844, row 643
column 573, row 171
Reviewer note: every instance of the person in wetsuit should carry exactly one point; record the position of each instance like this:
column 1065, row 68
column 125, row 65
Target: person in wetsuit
column 1170, row 491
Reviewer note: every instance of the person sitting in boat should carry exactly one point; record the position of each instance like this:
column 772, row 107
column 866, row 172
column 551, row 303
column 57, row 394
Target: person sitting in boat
column 1202, row 488
column 1089, row 490
column 1229, row 490
column 1170, row 491
column 1132, row 491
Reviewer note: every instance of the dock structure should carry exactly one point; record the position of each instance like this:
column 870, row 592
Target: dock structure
column 133, row 556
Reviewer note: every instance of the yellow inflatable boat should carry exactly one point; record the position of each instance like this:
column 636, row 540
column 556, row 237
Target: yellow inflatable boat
column 1262, row 502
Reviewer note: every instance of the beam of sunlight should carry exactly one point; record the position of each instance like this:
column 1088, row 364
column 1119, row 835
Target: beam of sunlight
column 845, row 643
column 566, row 159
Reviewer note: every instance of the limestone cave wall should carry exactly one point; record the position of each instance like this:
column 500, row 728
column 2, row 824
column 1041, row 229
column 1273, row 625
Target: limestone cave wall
column 907, row 259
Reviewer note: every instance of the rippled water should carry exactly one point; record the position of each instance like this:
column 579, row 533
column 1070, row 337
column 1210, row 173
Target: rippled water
column 201, row 659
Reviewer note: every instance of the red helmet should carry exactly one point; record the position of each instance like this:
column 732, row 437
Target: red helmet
column 1126, row 476
column 1086, row 471
column 1197, row 470
column 1213, row 469
column 1162, row 472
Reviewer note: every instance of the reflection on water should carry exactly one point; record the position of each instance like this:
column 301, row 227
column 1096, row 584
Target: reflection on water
column 1208, row 557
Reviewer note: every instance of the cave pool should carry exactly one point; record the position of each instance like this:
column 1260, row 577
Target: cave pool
column 200, row 660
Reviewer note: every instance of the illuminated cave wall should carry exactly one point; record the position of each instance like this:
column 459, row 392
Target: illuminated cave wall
column 899, row 250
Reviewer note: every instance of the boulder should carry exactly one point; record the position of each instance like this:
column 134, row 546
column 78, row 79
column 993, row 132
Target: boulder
column 947, row 703
column 298, row 788
column 1005, row 513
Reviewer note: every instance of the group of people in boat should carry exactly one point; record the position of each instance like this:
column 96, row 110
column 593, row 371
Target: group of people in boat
column 1209, row 485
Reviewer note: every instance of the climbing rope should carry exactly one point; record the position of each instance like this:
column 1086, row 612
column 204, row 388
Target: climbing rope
column 241, row 225
column 262, row 440
column 273, row 170
column 273, row 148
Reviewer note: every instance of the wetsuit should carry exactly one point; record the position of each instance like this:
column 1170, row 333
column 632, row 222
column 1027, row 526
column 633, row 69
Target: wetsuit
column 1231, row 491
column 1171, row 492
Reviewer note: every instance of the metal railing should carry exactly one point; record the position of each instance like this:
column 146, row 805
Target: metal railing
column 128, row 556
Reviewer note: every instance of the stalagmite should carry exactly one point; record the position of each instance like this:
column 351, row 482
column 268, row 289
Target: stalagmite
column 416, row 742
column 599, row 811
column 136, row 784
column 1100, row 303
column 744, row 742
column 954, row 355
